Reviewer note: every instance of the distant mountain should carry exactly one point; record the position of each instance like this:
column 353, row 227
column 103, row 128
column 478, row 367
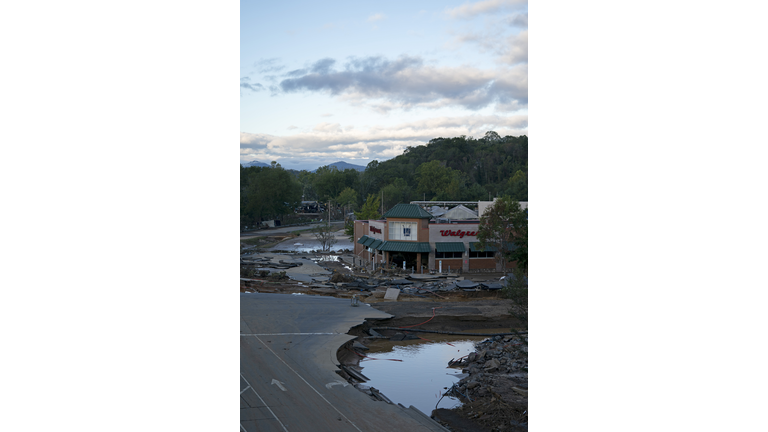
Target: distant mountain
column 341, row 166
column 254, row 163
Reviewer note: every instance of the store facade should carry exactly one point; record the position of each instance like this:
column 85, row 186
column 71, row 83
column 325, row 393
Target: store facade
column 408, row 238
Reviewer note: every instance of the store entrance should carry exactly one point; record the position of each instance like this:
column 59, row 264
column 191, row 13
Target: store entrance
column 408, row 257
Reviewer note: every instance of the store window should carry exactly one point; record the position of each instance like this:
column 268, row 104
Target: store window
column 402, row 231
column 448, row 254
column 486, row 254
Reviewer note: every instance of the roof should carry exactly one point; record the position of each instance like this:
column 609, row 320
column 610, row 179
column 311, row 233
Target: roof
column 369, row 242
column 475, row 247
column 437, row 211
column 376, row 244
column 362, row 239
column 411, row 211
column 460, row 212
column 449, row 247
column 402, row 246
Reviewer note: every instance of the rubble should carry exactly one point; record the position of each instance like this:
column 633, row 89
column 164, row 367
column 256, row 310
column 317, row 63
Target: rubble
column 495, row 392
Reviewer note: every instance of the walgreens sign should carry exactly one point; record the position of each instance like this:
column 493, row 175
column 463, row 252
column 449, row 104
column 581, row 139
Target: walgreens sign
column 457, row 233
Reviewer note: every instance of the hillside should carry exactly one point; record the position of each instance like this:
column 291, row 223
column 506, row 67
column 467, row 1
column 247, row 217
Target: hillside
column 452, row 169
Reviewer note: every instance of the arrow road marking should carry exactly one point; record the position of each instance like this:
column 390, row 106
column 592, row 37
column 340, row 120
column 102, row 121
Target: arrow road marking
column 263, row 403
column 307, row 383
column 341, row 383
column 279, row 384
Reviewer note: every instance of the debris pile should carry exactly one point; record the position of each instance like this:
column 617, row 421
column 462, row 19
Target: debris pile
column 495, row 393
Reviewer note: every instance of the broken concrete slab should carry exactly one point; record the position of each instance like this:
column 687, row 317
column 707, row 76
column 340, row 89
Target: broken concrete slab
column 391, row 294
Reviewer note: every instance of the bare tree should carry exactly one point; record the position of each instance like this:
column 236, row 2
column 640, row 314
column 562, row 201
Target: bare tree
column 324, row 234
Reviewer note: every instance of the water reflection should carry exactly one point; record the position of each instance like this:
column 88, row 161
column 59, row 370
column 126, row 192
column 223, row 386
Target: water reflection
column 420, row 378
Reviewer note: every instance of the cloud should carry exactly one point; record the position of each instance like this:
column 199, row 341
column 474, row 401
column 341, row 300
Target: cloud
column 509, row 48
column 326, row 115
column 254, row 141
column 407, row 82
column 515, row 50
column 471, row 10
column 329, row 142
column 518, row 20
column 323, row 66
column 376, row 17
column 268, row 65
column 245, row 84
column 327, row 128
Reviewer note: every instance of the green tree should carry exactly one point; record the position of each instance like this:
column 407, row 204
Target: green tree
column 267, row 193
column 370, row 209
column 434, row 178
column 504, row 227
column 348, row 198
column 396, row 192
column 517, row 186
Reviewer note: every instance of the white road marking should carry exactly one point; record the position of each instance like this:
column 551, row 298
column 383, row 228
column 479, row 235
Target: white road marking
column 241, row 391
column 265, row 404
column 341, row 383
column 279, row 384
column 287, row 334
column 305, row 382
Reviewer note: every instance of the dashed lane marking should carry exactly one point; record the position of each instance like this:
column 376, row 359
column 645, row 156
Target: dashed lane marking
column 286, row 334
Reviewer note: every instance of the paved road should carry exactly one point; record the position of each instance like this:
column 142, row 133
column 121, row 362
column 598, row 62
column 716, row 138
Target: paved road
column 285, row 230
column 287, row 369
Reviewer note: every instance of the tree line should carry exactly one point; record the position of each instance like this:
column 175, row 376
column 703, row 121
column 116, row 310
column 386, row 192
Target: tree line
column 446, row 169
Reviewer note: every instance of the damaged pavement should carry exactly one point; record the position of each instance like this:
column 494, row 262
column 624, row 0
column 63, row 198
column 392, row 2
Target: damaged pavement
column 494, row 391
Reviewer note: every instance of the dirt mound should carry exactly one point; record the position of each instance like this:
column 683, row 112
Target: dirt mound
column 496, row 414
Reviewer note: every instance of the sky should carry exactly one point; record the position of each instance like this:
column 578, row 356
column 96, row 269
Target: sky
column 359, row 81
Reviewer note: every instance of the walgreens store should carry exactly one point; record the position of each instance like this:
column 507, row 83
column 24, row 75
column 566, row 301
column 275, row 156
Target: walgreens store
column 409, row 236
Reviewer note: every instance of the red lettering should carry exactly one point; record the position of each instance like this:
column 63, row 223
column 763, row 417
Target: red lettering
column 458, row 233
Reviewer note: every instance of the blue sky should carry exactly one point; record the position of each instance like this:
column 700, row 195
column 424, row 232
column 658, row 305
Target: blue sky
column 358, row 81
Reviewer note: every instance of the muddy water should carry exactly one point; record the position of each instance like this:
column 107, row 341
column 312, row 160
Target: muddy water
column 420, row 379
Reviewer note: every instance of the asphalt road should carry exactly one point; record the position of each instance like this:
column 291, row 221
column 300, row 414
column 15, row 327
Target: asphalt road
column 285, row 230
column 288, row 379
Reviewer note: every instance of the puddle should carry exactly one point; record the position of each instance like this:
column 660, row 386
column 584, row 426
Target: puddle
column 419, row 379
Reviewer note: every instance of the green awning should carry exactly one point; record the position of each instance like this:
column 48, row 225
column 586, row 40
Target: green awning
column 369, row 242
column 449, row 247
column 375, row 244
column 362, row 239
column 475, row 247
column 401, row 246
